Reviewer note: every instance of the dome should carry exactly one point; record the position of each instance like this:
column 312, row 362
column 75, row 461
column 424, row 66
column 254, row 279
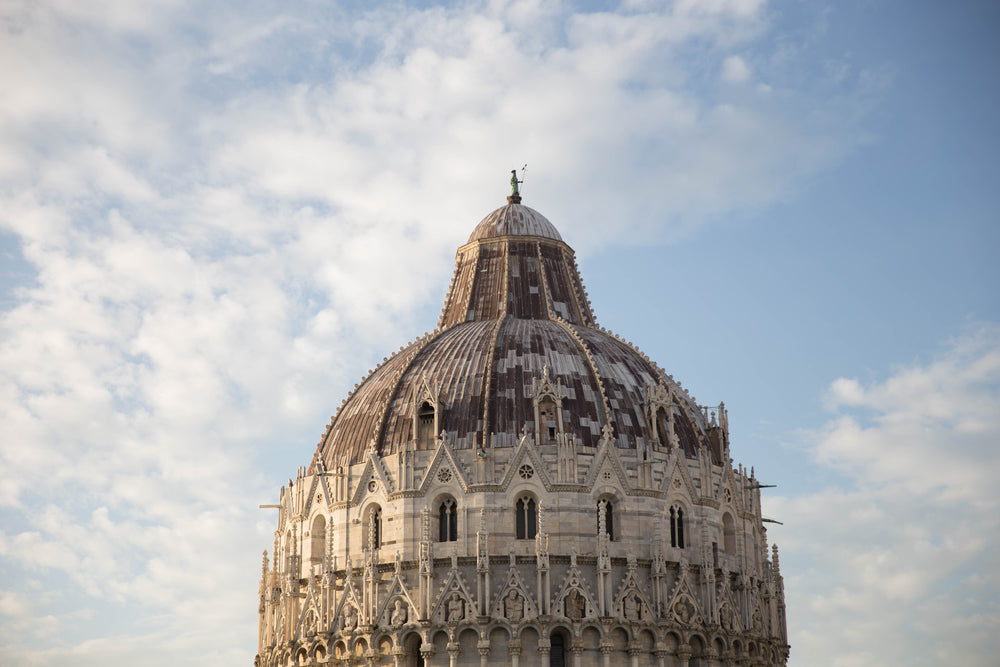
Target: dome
column 516, row 324
column 514, row 220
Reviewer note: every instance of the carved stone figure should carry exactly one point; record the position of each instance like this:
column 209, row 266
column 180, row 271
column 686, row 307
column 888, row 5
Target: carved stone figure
column 631, row 607
column 576, row 605
column 456, row 608
column 684, row 611
column 728, row 619
column 350, row 618
column 399, row 614
column 513, row 606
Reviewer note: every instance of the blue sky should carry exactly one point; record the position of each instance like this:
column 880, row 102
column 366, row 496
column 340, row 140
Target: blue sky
column 215, row 218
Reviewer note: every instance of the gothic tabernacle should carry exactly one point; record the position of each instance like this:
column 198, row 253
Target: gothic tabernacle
column 521, row 487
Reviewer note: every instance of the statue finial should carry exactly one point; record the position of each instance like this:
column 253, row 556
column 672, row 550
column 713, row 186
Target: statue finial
column 515, row 195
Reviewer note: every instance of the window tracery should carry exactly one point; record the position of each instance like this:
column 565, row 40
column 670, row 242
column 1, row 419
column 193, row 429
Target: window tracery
column 676, row 527
column 525, row 518
column 448, row 521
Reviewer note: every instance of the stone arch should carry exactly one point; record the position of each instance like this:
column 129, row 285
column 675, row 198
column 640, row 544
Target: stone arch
column 499, row 636
column 411, row 643
column 560, row 642
column 679, row 516
column 340, row 650
column 439, row 641
column 719, row 646
column 529, row 637
column 468, row 642
column 372, row 535
column 699, row 648
column 301, row 656
column 728, row 533
column 426, row 416
column 618, row 638
column 319, row 652
column 613, row 512
column 360, row 647
column 317, row 539
column 445, row 510
column 645, row 642
column 526, row 510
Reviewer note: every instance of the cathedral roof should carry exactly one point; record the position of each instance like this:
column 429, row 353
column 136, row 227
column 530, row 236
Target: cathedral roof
column 516, row 324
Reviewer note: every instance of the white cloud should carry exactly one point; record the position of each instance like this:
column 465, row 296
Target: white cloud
column 902, row 563
column 735, row 70
column 226, row 211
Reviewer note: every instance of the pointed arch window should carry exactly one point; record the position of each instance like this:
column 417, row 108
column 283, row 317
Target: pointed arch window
column 318, row 540
column 676, row 527
column 728, row 533
column 374, row 526
column 525, row 518
column 425, row 424
column 548, row 424
column 448, row 521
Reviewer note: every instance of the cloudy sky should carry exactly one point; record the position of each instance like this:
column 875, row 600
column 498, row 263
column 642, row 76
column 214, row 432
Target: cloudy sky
column 215, row 217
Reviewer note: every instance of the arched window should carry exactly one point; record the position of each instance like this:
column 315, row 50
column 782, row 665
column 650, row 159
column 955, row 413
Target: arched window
column 676, row 527
column 605, row 511
column 557, row 653
column 318, row 540
column 728, row 534
column 375, row 528
column 548, row 423
column 448, row 521
column 425, row 424
column 525, row 518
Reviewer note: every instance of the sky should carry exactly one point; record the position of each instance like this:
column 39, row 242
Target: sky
column 216, row 217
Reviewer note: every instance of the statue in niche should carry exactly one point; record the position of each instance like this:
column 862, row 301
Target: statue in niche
column 684, row 611
column 729, row 619
column 513, row 606
column 631, row 607
column 350, row 618
column 399, row 614
column 575, row 605
column 456, row 609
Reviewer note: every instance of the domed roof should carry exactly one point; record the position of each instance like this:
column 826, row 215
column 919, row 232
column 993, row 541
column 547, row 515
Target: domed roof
column 514, row 220
column 516, row 329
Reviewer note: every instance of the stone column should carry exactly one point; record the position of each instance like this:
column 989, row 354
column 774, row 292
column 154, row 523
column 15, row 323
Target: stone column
column 453, row 650
column 427, row 652
column 577, row 649
column 514, row 647
column 606, row 650
column 661, row 656
column 683, row 655
column 484, row 651
column 544, row 652
column 633, row 652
